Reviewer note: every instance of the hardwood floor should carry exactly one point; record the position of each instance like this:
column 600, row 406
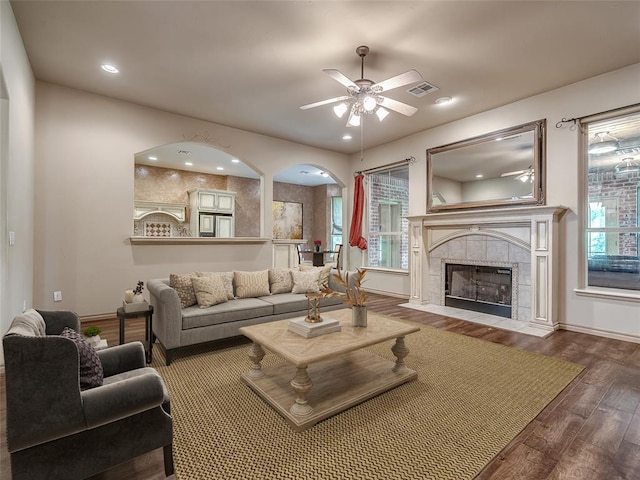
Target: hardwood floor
column 591, row 431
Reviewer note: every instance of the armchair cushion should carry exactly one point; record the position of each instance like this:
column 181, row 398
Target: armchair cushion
column 91, row 373
column 130, row 395
column 121, row 358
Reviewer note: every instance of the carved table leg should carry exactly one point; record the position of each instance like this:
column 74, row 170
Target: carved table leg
column 400, row 350
column 301, row 384
column 256, row 354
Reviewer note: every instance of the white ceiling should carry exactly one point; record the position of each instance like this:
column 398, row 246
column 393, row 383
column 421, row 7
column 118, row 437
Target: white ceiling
column 250, row 65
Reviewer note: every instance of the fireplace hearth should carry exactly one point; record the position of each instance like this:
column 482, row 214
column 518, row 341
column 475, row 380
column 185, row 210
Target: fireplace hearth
column 480, row 288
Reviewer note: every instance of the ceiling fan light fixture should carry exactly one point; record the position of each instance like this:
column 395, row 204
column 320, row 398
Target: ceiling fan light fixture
column 369, row 103
column 603, row 145
column 627, row 165
column 382, row 113
column 354, row 120
column 340, row 109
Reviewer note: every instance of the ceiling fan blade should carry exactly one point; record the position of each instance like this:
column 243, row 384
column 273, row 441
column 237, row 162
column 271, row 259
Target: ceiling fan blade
column 405, row 78
column 325, row 102
column 340, row 77
column 397, row 106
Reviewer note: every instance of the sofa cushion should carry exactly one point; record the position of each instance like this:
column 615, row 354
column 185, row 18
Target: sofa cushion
column 231, row 311
column 287, row 302
column 91, row 373
column 29, row 324
column 227, row 280
column 252, row 284
column 209, row 290
column 305, row 282
column 181, row 283
column 280, row 280
column 295, row 302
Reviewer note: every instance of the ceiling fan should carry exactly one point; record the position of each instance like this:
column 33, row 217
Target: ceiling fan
column 522, row 175
column 364, row 96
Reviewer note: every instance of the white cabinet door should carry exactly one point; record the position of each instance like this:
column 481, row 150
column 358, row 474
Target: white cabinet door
column 207, row 201
column 224, row 226
column 226, row 202
column 207, row 225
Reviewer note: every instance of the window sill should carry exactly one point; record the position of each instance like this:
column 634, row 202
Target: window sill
column 392, row 271
column 595, row 292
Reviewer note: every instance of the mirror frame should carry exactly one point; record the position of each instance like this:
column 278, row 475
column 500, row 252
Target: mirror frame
column 539, row 170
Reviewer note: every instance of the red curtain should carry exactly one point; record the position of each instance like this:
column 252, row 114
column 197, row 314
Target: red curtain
column 355, row 233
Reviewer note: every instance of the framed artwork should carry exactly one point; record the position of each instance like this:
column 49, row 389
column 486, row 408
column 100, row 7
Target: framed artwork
column 287, row 220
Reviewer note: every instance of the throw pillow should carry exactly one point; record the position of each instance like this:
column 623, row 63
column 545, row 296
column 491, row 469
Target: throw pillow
column 323, row 279
column 91, row 373
column 227, row 280
column 305, row 282
column 209, row 291
column 252, row 284
column 280, row 280
column 181, row 283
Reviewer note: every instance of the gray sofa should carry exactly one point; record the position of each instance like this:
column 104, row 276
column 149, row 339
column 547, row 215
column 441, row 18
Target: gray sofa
column 176, row 327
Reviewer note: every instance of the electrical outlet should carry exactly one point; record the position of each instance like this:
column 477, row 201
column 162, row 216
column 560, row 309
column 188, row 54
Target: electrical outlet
column 57, row 296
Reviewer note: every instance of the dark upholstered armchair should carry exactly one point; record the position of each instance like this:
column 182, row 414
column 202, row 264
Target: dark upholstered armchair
column 55, row 429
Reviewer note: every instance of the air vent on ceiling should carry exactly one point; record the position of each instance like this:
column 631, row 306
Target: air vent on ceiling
column 421, row 89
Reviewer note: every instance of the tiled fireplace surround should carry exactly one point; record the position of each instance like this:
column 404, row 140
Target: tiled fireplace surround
column 523, row 238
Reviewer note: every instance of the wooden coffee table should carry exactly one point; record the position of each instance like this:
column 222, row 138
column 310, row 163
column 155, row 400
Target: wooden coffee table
column 327, row 374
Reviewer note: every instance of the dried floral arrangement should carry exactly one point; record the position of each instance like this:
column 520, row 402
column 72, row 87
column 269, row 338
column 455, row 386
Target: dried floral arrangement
column 353, row 294
column 139, row 288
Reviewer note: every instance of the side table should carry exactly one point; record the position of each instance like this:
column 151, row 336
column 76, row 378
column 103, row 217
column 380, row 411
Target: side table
column 148, row 331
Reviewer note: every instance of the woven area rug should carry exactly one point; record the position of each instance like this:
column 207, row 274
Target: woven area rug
column 470, row 399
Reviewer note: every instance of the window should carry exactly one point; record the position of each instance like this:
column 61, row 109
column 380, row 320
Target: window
column 388, row 238
column 336, row 222
column 612, row 203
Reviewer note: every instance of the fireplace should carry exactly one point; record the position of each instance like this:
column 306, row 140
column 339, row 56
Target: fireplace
column 481, row 288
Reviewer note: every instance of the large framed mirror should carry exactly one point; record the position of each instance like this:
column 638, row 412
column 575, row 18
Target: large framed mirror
column 501, row 168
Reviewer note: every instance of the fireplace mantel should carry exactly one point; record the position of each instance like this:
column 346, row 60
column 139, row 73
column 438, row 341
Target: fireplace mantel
column 533, row 228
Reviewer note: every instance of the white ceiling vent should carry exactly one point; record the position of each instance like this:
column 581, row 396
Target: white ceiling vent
column 421, row 89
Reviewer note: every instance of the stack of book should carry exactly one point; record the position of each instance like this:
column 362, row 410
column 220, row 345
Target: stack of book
column 307, row 330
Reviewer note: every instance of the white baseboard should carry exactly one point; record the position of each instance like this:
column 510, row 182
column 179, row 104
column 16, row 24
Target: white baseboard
column 625, row 337
column 387, row 294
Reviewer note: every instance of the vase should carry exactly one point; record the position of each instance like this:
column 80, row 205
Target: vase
column 317, row 248
column 128, row 296
column 359, row 316
column 138, row 298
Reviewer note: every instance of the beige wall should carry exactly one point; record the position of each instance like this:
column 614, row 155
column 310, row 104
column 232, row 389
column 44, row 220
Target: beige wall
column 17, row 98
column 613, row 90
column 84, row 157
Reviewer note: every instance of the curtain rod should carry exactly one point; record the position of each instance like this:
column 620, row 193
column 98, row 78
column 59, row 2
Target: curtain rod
column 597, row 116
column 406, row 161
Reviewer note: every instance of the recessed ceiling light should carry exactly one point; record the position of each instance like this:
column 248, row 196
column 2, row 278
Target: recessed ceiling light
column 188, row 164
column 347, row 137
column 479, row 175
column 153, row 158
column 235, row 160
column 219, row 168
column 109, row 68
column 443, row 100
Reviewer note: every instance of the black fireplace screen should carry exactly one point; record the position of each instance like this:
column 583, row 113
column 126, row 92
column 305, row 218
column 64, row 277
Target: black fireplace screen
column 479, row 288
